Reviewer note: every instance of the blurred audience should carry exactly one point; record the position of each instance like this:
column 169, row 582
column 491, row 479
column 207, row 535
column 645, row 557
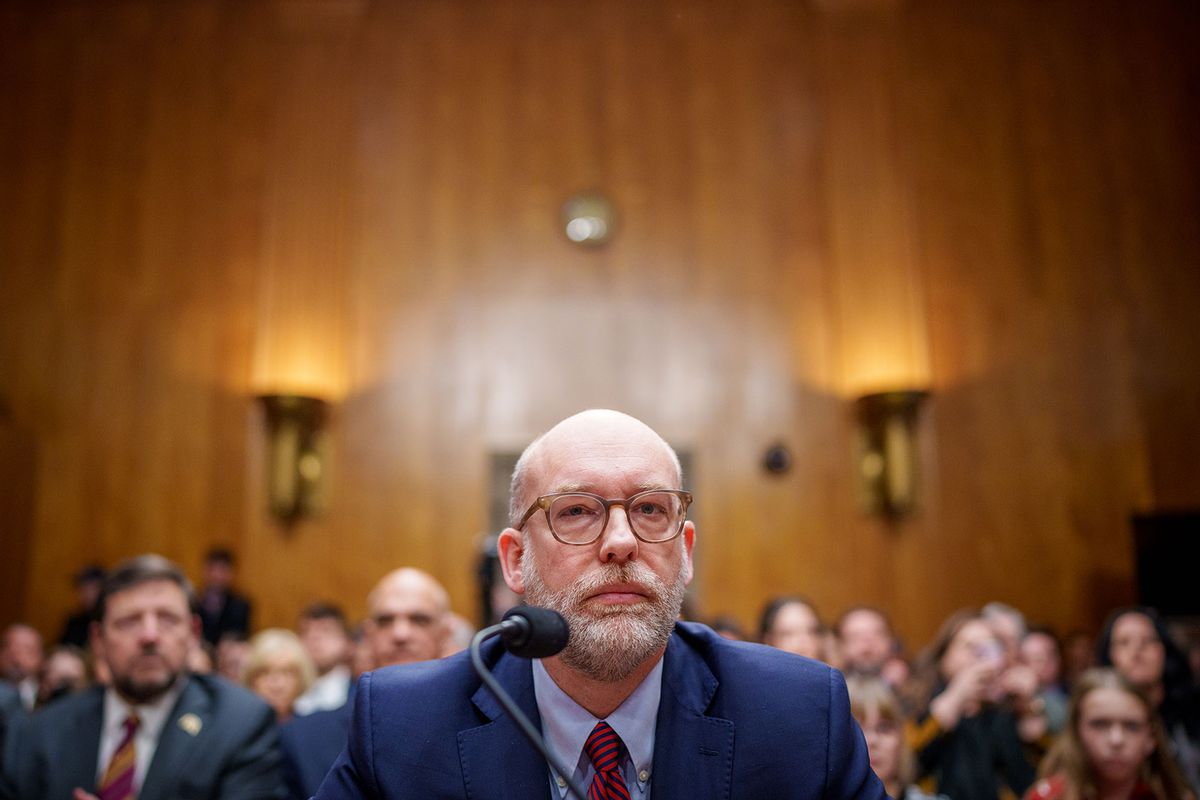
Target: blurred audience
column 1079, row 655
column 968, row 721
column 1041, row 654
column 278, row 670
column 222, row 610
column 87, row 744
column 1113, row 747
column 459, row 633
column 791, row 623
column 1135, row 642
column 865, row 639
column 1186, row 634
column 971, row 705
column 63, row 672
column 12, row 714
column 87, row 588
column 21, row 656
column 362, row 658
column 231, row 656
column 729, row 628
column 877, row 709
column 896, row 670
column 407, row 621
column 1008, row 625
column 325, row 636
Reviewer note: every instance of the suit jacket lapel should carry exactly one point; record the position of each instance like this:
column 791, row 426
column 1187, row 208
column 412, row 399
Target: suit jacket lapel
column 175, row 744
column 693, row 753
column 498, row 763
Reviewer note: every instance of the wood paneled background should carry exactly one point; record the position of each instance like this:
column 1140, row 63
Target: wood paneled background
column 206, row 200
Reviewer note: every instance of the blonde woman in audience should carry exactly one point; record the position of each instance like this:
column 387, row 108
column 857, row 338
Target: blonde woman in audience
column 278, row 669
column 1113, row 748
column 877, row 710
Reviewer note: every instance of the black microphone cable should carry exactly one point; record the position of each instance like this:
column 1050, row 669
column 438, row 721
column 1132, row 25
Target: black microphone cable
column 527, row 632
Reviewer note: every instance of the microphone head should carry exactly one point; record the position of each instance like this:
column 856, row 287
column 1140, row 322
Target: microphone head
column 534, row 632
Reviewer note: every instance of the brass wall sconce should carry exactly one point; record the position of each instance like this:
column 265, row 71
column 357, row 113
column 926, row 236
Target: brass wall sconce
column 887, row 451
column 297, row 458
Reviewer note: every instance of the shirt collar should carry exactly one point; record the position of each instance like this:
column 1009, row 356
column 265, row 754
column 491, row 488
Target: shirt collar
column 152, row 715
column 566, row 724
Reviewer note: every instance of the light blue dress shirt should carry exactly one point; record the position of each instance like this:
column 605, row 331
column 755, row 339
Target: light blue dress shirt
column 566, row 726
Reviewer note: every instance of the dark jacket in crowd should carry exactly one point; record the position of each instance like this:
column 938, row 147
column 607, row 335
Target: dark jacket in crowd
column 311, row 744
column 975, row 759
column 219, row 742
column 76, row 630
column 233, row 616
column 12, row 712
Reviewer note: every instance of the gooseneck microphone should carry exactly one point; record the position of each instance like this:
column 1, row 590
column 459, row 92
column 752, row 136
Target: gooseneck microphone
column 528, row 632
column 533, row 632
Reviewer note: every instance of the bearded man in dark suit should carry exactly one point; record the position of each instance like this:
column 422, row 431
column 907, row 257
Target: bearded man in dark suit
column 157, row 733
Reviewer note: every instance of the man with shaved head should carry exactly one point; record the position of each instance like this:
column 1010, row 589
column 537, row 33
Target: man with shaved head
column 638, row 705
column 406, row 618
column 407, row 621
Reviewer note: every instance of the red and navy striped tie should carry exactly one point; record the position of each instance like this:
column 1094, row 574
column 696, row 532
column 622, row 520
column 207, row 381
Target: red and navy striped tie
column 603, row 747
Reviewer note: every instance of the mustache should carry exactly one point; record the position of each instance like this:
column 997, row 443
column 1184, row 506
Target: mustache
column 629, row 572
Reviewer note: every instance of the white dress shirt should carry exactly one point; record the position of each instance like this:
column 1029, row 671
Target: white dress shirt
column 28, row 690
column 152, row 715
column 326, row 693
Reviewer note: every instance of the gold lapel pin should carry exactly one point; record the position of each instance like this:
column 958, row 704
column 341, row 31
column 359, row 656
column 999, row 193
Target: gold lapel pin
column 191, row 724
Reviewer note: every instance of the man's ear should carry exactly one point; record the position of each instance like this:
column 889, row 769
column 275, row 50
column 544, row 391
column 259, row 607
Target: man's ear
column 511, row 545
column 689, row 540
column 197, row 629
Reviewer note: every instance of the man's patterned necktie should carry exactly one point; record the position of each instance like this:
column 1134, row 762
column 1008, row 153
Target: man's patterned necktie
column 603, row 747
column 117, row 783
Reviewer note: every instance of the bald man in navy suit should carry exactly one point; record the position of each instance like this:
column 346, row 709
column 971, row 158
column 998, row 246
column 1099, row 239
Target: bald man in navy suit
column 407, row 616
column 637, row 705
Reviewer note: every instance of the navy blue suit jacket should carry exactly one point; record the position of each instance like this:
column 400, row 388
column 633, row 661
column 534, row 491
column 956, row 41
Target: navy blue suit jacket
column 735, row 721
column 311, row 744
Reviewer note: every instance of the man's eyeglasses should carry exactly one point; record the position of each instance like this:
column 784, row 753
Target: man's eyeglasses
column 580, row 518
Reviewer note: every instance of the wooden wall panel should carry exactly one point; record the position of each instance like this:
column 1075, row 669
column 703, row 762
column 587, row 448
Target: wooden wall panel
column 204, row 200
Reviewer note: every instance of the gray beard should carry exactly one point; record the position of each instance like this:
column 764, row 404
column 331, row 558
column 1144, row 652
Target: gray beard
column 608, row 643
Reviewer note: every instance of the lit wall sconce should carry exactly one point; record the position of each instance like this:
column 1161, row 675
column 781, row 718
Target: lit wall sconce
column 887, row 452
column 588, row 219
column 298, row 448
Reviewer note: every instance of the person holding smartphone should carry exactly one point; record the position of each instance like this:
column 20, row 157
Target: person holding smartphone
column 975, row 712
